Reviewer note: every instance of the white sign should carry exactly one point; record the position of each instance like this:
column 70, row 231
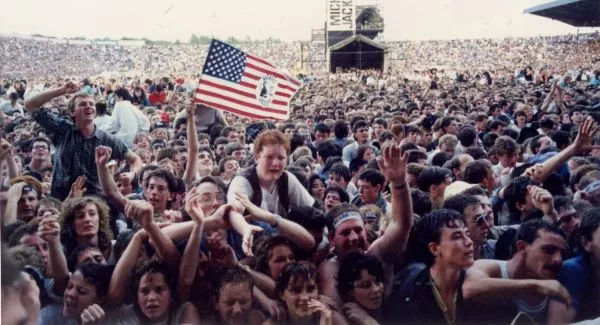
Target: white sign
column 341, row 15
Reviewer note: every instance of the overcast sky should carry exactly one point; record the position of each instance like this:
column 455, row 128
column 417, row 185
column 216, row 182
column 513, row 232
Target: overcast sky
column 284, row 19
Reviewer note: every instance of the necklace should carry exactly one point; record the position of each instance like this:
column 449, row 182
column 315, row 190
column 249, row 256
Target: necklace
column 450, row 318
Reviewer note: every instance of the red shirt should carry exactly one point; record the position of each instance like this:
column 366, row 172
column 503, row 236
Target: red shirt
column 157, row 98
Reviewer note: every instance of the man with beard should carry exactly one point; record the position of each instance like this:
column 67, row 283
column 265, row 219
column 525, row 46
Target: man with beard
column 527, row 280
column 347, row 230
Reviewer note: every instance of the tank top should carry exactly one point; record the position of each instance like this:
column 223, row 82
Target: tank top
column 538, row 311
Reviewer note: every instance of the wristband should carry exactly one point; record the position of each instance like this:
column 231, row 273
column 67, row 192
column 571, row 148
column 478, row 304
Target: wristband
column 399, row 186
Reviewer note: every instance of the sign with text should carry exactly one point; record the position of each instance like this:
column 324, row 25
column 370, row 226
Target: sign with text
column 341, row 15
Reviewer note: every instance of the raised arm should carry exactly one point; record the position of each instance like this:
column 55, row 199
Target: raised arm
column 191, row 258
column 107, row 182
column 192, row 145
column 289, row 229
column 392, row 244
column 33, row 103
column 124, row 268
column 49, row 230
column 134, row 161
column 142, row 214
column 550, row 98
column 7, row 154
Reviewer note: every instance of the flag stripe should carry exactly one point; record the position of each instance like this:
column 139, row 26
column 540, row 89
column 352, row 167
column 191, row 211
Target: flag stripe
column 223, row 87
column 257, row 68
column 272, row 70
column 282, row 94
column 259, row 60
column 251, row 76
column 238, row 101
column 279, row 102
column 232, row 110
column 221, row 104
column 286, row 87
column 248, row 73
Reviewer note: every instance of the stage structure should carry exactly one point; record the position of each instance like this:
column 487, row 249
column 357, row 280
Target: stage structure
column 350, row 31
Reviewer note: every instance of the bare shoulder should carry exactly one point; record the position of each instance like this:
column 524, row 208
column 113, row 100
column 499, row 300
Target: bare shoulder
column 488, row 267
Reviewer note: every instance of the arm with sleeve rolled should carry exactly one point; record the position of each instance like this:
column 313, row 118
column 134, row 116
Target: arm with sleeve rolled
column 107, row 182
column 189, row 176
column 34, row 102
column 49, row 230
column 124, row 268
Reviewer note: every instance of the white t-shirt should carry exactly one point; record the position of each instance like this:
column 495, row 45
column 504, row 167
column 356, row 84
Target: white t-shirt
column 298, row 195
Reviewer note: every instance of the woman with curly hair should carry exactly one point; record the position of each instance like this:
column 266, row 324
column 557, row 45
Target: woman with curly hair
column 84, row 220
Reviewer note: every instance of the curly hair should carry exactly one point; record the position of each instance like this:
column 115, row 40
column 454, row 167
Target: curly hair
column 296, row 271
column 170, row 276
column 271, row 137
column 351, row 266
column 264, row 251
column 68, row 237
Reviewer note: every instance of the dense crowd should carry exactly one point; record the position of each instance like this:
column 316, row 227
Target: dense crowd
column 460, row 185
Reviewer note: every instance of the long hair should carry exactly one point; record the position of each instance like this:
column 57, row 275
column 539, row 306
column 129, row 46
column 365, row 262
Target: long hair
column 68, row 237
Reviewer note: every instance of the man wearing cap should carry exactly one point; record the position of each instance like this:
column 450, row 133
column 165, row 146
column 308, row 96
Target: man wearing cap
column 347, row 229
column 76, row 140
column 22, row 201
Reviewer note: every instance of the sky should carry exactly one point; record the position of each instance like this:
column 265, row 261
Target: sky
column 284, row 19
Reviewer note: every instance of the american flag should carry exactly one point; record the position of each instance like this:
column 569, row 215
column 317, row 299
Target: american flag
column 245, row 85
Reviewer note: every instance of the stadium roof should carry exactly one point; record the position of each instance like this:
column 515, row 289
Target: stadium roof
column 579, row 13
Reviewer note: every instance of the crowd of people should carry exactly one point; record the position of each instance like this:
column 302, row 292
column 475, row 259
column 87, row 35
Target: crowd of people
column 460, row 185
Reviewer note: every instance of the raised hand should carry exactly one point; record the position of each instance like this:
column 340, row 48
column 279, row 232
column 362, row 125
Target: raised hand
column 587, row 129
column 193, row 206
column 140, row 211
column 70, row 88
column 49, row 229
column 78, row 187
column 6, row 149
column 541, row 199
column 248, row 239
column 190, row 108
column 318, row 307
column 392, row 165
column 534, row 173
column 103, row 154
column 92, row 314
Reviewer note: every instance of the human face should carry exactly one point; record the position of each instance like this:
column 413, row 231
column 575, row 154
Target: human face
column 233, row 136
column 145, row 157
column 361, row 135
column 85, row 109
column 27, row 206
column 338, row 180
column 426, row 138
column 484, row 201
column 205, row 160
column 368, row 291
column 508, row 160
column 455, row 246
column 377, row 130
column 543, row 257
column 368, row 193
column 40, row 151
column 271, row 162
column 317, row 188
column 350, row 235
column 204, row 142
column 91, row 255
column 414, row 137
column 297, row 295
column 232, row 167
column 87, row 221
column 79, row 295
column 48, row 177
column 211, row 197
column 239, row 155
column 577, row 117
column 234, row 303
column 154, row 296
column 369, row 154
column 219, row 150
column 332, row 199
column 161, row 134
column 593, row 246
column 124, row 185
column 478, row 223
column 157, row 193
column 321, row 136
column 143, row 142
column 568, row 220
column 452, row 128
column 39, row 244
column 281, row 256
column 448, row 149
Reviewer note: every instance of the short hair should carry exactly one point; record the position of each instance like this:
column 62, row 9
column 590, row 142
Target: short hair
column 71, row 103
column 350, row 269
column 340, row 169
column 309, row 217
column 448, row 139
column 359, row 124
column 414, row 169
column 374, row 177
column 467, row 136
column 98, row 275
column 432, row 175
column 344, row 197
column 233, row 146
column 528, row 230
column 429, row 229
column 415, row 155
column 322, row 128
column 476, row 152
column 421, row 201
column 271, row 137
column 476, row 171
column 561, row 138
column 445, row 122
column 356, row 164
column 460, row 202
column 505, row 146
column 341, row 129
column 440, row 158
column 21, row 231
column 590, row 221
column 516, row 192
column 170, row 153
column 123, row 93
column 302, row 271
column 164, row 174
column 232, row 275
column 328, row 149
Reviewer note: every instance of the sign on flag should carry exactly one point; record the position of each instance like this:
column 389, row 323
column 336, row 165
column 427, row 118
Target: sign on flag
column 245, row 85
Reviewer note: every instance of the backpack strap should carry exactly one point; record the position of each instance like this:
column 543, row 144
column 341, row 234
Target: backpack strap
column 252, row 177
column 283, row 191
